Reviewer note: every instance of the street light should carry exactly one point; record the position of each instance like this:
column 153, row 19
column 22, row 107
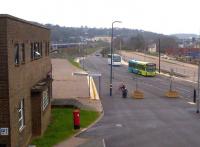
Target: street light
column 111, row 52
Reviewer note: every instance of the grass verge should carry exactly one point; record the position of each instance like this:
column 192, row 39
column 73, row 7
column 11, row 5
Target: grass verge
column 73, row 62
column 61, row 126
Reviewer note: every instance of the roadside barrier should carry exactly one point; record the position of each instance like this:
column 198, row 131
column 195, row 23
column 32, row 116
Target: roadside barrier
column 137, row 94
column 172, row 94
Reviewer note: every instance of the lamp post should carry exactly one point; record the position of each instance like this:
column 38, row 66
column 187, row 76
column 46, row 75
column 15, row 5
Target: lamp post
column 159, row 55
column 111, row 52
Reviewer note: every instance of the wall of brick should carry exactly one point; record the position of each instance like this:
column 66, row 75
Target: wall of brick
column 40, row 117
column 45, row 116
column 4, row 101
column 23, row 77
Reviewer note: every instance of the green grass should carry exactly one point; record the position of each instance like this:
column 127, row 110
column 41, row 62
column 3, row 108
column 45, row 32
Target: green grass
column 91, row 50
column 61, row 126
column 71, row 60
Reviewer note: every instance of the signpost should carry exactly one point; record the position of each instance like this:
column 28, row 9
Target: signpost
column 171, row 93
column 198, row 88
column 3, row 131
column 137, row 94
column 171, row 76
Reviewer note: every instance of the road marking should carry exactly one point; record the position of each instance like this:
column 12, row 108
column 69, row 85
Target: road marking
column 104, row 144
column 182, row 89
column 191, row 103
column 118, row 125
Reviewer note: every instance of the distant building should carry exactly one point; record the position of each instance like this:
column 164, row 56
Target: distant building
column 152, row 48
column 183, row 52
column 102, row 38
column 25, row 81
column 189, row 43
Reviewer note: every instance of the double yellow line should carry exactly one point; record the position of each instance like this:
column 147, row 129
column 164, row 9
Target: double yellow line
column 93, row 90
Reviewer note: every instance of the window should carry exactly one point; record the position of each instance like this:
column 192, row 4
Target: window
column 16, row 54
column 36, row 50
column 32, row 51
column 41, row 48
column 45, row 99
column 23, row 53
column 21, row 114
column 46, row 48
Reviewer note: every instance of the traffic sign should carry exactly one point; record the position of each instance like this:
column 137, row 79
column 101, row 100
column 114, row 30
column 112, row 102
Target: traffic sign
column 80, row 74
column 4, row 131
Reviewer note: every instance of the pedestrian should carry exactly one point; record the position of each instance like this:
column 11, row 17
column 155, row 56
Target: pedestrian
column 124, row 93
column 121, row 87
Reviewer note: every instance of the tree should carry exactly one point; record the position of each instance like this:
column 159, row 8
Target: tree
column 136, row 43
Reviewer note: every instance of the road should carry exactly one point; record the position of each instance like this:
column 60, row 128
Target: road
column 155, row 121
column 178, row 67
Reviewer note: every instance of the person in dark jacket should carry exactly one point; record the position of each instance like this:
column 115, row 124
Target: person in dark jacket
column 124, row 92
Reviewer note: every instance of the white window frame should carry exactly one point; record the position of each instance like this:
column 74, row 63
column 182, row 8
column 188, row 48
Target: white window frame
column 21, row 116
column 45, row 99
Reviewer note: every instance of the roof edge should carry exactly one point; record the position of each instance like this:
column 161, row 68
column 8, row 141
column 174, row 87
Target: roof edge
column 22, row 20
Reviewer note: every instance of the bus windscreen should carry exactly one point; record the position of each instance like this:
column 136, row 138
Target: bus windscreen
column 151, row 67
column 116, row 58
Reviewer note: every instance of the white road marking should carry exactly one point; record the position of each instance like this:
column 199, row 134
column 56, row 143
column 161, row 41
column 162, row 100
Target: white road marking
column 182, row 89
column 118, row 125
column 191, row 103
column 104, row 144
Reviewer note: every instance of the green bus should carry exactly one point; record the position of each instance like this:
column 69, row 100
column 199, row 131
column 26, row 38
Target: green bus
column 142, row 68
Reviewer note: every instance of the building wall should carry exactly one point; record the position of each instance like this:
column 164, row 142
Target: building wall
column 45, row 118
column 36, row 114
column 193, row 52
column 4, row 101
column 23, row 77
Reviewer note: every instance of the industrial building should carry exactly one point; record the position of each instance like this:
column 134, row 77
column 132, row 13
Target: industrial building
column 25, row 81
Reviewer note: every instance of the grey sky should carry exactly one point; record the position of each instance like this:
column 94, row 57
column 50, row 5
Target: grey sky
column 161, row 16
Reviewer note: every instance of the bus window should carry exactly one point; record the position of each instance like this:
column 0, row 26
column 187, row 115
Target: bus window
column 151, row 67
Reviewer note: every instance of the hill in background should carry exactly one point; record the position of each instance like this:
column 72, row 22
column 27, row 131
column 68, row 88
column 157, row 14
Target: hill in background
column 185, row 36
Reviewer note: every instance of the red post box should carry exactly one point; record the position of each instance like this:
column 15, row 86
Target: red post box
column 76, row 115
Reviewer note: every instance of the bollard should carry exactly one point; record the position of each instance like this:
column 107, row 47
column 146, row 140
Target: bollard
column 194, row 96
column 197, row 106
column 76, row 117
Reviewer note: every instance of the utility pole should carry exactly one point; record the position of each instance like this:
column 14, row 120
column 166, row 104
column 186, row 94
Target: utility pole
column 111, row 58
column 198, row 88
column 120, row 45
column 159, row 54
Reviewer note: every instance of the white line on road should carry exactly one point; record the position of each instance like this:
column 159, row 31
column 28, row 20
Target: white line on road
column 104, row 144
column 182, row 89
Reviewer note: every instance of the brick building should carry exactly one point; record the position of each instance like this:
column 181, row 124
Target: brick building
column 25, row 81
column 182, row 52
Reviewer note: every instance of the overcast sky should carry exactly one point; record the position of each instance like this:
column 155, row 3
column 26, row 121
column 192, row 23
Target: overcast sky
column 161, row 16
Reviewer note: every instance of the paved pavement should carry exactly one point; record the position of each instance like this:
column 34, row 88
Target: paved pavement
column 65, row 85
column 71, row 90
column 155, row 121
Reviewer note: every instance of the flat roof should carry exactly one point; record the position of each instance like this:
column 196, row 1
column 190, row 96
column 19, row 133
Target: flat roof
column 23, row 21
column 114, row 54
column 142, row 62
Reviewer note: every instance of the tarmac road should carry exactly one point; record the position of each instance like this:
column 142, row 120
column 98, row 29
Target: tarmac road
column 178, row 67
column 155, row 121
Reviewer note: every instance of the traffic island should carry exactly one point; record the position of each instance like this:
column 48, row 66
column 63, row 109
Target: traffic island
column 172, row 94
column 138, row 94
